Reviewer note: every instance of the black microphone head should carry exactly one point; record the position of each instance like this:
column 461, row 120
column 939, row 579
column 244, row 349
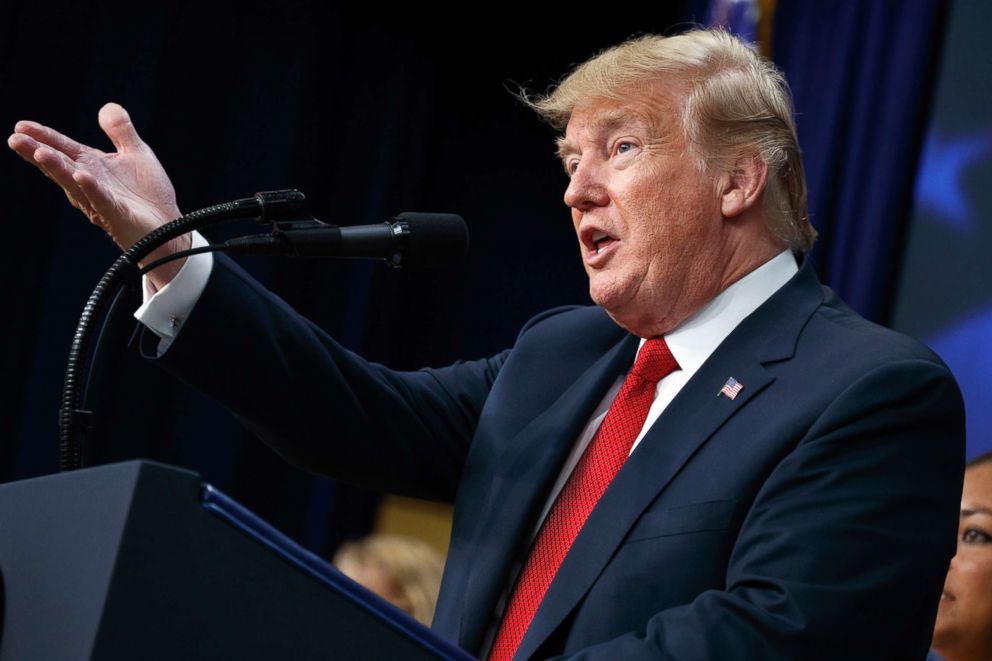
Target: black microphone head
column 434, row 239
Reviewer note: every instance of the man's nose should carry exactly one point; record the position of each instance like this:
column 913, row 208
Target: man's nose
column 586, row 188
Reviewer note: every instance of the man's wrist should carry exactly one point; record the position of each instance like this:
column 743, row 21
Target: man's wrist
column 164, row 310
column 161, row 276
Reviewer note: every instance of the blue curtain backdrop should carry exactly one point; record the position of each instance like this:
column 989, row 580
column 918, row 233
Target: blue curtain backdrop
column 862, row 75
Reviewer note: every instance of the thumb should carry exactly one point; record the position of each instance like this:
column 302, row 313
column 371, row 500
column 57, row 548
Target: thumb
column 116, row 123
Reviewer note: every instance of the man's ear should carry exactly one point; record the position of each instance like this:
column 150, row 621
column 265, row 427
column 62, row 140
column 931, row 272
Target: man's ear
column 742, row 187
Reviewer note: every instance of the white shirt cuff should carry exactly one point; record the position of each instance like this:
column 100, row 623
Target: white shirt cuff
column 165, row 311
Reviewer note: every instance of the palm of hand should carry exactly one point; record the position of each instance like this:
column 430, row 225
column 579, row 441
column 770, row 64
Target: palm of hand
column 127, row 193
column 139, row 196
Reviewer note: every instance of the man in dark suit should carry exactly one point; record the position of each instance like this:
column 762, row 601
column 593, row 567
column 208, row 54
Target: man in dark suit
column 773, row 478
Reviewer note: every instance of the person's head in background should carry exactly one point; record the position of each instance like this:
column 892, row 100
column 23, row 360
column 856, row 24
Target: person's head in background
column 964, row 618
column 404, row 571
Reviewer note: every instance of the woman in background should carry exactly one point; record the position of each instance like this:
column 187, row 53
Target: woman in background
column 964, row 618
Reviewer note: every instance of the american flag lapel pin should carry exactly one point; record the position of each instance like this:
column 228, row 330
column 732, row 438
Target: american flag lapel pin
column 731, row 388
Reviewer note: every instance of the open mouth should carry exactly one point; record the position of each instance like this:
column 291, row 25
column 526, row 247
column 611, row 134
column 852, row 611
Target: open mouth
column 597, row 241
column 601, row 241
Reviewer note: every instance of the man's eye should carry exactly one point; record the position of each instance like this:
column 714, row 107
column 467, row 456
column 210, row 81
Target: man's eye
column 624, row 147
column 973, row 536
column 571, row 167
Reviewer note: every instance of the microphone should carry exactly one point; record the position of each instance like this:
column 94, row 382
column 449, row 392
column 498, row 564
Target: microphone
column 410, row 240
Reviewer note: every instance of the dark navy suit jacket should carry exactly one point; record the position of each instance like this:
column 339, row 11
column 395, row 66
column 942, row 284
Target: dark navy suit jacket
column 813, row 516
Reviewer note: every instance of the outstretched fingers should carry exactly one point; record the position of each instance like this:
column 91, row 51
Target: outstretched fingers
column 97, row 199
column 96, row 195
column 24, row 146
column 60, row 169
column 55, row 165
column 49, row 136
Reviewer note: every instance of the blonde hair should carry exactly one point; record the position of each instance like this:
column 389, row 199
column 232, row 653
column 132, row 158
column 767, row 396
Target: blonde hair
column 410, row 568
column 735, row 104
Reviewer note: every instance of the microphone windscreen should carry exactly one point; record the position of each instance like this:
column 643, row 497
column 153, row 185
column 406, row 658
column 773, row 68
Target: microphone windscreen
column 436, row 239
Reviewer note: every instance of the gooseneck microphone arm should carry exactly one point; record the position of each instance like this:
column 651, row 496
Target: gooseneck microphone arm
column 73, row 419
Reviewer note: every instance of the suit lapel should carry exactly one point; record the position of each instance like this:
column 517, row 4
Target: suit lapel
column 673, row 439
column 527, row 468
column 768, row 335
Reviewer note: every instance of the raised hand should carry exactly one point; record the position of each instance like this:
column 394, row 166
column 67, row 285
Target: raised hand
column 127, row 193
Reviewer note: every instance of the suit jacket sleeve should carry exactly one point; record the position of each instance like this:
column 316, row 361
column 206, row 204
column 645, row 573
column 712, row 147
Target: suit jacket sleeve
column 847, row 542
column 319, row 405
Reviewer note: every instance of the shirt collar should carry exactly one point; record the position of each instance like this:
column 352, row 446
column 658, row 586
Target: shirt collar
column 699, row 336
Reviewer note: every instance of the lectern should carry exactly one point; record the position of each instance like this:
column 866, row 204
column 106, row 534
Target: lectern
column 140, row 560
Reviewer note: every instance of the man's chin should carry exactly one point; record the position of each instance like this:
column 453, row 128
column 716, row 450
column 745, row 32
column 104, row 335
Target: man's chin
column 622, row 316
column 634, row 318
column 607, row 300
column 607, row 293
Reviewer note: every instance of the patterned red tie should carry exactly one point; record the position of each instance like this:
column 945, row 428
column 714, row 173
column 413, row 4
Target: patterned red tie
column 598, row 466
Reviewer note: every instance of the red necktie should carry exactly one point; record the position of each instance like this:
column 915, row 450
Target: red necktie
column 598, row 466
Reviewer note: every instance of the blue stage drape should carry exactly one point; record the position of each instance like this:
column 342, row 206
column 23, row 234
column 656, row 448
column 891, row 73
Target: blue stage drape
column 862, row 78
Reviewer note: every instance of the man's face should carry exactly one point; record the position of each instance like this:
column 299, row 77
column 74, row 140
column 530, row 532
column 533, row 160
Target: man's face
column 648, row 221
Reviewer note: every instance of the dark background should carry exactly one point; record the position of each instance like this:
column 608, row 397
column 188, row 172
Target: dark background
column 369, row 115
column 373, row 114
